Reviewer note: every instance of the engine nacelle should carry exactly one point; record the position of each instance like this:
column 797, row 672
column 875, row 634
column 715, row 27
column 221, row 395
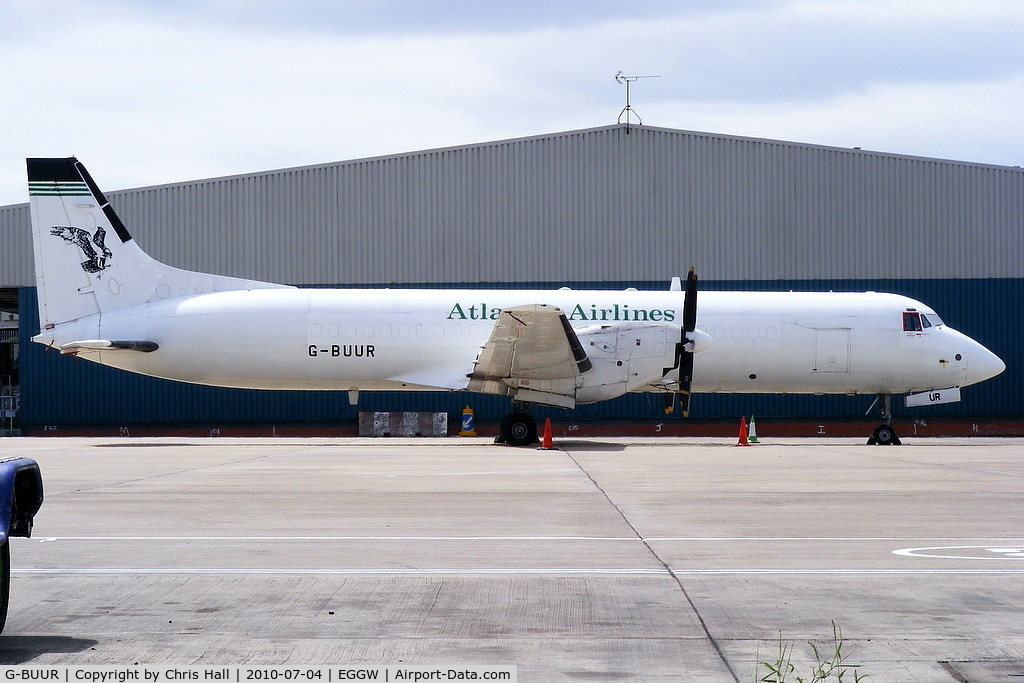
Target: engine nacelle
column 625, row 356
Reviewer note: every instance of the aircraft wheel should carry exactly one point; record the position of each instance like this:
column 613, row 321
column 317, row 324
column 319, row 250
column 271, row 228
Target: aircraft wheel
column 885, row 435
column 5, row 581
column 519, row 429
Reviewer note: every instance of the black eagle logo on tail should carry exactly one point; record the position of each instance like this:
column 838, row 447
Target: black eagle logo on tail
column 96, row 258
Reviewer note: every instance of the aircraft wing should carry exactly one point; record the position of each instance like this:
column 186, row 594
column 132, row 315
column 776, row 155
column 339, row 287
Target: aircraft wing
column 532, row 355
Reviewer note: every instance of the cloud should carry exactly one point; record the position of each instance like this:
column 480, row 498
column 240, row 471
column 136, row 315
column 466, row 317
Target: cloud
column 149, row 92
column 965, row 121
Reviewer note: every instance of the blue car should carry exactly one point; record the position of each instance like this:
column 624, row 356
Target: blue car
column 21, row 495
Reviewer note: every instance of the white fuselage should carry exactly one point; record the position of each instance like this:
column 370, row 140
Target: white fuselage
column 101, row 297
column 359, row 339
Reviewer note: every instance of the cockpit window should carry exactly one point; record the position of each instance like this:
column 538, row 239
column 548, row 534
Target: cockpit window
column 925, row 323
column 931, row 320
column 911, row 322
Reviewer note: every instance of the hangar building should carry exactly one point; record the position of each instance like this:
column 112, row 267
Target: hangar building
column 609, row 207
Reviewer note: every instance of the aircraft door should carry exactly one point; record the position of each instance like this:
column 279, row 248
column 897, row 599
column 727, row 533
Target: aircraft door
column 832, row 350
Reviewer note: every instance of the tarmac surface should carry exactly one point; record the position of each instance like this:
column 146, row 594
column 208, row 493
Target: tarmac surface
column 601, row 560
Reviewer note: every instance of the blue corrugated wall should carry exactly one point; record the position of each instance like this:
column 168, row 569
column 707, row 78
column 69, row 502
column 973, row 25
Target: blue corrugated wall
column 58, row 390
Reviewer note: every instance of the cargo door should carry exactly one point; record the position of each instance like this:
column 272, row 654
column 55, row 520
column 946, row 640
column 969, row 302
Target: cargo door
column 832, row 350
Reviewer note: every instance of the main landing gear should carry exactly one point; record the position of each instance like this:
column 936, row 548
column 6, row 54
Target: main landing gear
column 884, row 434
column 518, row 428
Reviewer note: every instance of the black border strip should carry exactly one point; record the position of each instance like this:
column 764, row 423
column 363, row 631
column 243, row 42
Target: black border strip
column 108, row 210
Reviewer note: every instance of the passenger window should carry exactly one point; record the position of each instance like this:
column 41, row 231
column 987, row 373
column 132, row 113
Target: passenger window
column 911, row 322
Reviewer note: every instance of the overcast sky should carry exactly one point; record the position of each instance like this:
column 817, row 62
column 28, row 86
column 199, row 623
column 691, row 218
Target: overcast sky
column 154, row 91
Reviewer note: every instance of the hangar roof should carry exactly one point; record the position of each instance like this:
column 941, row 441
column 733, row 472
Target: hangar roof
column 601, row 204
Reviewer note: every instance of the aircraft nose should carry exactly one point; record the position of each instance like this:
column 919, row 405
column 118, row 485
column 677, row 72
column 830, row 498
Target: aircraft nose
column 982, row 364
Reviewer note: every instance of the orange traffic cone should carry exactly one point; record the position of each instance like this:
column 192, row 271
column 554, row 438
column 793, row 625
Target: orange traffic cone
column 545, row 444
column 743, row 433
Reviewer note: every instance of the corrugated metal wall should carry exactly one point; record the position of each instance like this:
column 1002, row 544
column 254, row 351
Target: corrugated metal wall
column 589, row 205
column 588, row 208
column 16, row 265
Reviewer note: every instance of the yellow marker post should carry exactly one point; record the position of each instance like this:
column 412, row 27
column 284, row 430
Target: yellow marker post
column 467, row 422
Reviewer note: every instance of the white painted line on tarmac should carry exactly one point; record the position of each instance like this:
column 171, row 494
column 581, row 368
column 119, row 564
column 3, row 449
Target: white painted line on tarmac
column 631, row 539
column 816, row 539
column 852, row 572
column 259, row 571
column 965, row 552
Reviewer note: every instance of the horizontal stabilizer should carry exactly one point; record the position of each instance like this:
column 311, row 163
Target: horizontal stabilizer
column 88, row 345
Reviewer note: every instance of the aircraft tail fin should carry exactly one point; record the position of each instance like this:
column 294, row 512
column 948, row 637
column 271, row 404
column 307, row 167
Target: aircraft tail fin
column 86, row 261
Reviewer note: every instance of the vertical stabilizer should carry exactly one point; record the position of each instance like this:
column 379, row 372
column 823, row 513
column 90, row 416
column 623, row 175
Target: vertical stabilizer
column 86, row 261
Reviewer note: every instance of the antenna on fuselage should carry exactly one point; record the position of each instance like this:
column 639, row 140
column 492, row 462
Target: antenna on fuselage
column 628, row 110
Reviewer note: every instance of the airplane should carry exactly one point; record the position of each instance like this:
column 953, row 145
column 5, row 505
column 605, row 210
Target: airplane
column 102, row 298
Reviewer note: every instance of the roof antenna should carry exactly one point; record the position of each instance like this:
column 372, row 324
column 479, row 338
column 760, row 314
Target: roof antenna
column 628, row 110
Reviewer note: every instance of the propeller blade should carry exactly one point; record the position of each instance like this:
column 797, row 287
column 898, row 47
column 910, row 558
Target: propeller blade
column 690, row 303
column 683, row 361
column 689, row 325
column 685, row 379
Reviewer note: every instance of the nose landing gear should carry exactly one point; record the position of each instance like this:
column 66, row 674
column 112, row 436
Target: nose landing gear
column 884, row 434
